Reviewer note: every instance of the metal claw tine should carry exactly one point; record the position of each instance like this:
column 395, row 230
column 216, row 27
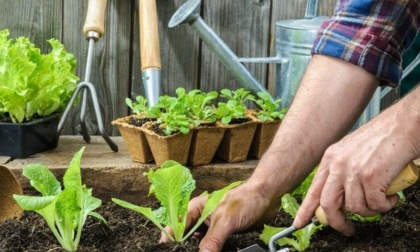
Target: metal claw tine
column 274, row 238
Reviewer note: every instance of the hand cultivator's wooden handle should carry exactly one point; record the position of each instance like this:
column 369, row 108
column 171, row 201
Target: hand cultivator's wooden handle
column 95, row 17
column 406, row 178
column 149, row 35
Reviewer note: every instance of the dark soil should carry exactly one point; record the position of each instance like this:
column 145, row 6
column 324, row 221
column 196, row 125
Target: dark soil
column 139, row 121
column 239, row 120
column 398, row 230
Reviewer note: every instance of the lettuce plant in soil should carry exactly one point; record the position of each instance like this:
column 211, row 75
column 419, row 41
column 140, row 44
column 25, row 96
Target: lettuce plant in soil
column 234, row 109
column 240, row 128
column 301, row 239
column 268, row 117
column 33, row 84
column 169, row 137
column 269, row 111
column 34, row 89
column 200, row 108
column 206, row 135
column 130, row 128
column 140, row 111
column 172, row 184
column 64, row 210
column 172, row 114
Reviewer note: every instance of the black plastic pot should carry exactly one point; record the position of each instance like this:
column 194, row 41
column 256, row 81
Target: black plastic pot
column 19, row 140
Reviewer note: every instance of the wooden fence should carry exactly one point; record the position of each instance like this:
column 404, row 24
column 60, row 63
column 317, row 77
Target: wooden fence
column 247, row 26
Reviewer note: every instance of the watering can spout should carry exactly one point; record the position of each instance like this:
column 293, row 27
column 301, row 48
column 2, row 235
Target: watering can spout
column 188, row 13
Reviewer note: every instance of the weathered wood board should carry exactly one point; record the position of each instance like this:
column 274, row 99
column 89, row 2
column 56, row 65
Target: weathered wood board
column 114, row 174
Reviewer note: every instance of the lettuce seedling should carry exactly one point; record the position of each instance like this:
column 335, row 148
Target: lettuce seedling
column 235, row 106
column 171, row 113
column 33, row 84
column 200, row 108
column 301, row 238
column 139, row 106
column 269, row 110
column 172, row 185
column 65, row 211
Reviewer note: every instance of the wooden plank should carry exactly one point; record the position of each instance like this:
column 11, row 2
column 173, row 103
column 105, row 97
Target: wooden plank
column 244, row 27
column 114, row 174
column 110, row 72
column 39, row 21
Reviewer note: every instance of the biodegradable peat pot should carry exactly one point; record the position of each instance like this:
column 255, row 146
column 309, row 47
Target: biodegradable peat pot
column 9, row 185
column 236, row 141
column 19, row 140
column 263, row 137
column 173, row 147
column 204, row 144
column 135, row 140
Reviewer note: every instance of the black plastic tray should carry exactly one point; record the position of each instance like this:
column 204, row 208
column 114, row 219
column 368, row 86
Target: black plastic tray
column 19, row 140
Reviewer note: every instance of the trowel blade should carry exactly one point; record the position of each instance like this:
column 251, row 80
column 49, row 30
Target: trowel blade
column 256, row 248
column 253, row 248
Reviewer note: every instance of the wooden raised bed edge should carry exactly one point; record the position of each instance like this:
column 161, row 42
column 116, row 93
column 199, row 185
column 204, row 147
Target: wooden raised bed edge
column 114, row 174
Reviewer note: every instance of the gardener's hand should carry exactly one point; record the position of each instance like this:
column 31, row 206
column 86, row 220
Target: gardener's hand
column 241, row 209
column 355, row 172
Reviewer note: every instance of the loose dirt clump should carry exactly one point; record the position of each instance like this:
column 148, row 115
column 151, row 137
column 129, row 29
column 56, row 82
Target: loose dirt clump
column 398, row 230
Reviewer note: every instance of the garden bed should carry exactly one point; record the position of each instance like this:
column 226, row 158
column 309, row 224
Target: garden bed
column 115, row 175
column 398, row 230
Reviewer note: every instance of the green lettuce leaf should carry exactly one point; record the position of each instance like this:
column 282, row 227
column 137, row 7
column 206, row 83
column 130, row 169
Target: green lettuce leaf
column 32, row 83
column 173, row 185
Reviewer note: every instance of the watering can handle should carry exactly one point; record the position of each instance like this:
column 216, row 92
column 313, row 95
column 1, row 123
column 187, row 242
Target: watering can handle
column 311, row 9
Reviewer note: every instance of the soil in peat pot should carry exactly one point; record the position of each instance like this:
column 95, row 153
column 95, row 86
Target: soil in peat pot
column 398, row 230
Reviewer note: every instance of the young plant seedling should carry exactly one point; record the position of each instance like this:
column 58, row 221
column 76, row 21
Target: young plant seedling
column 302, row 237
column 171, row 113
column 269, row 110
column 139, row 107
column 172, row 186
column 200, row 108
column 65, row 210
column 235, row 106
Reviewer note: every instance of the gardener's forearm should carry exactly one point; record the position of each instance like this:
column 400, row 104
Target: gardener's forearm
column 403, row 120
column 332, row 95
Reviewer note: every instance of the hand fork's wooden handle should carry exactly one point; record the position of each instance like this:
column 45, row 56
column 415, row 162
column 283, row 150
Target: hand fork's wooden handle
column 95, row 17
column 406, row 178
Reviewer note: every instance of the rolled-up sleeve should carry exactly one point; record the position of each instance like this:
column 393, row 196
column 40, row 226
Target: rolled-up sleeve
column 371, row 34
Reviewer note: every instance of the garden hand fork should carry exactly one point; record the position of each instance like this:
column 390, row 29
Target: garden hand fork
column 93, row 29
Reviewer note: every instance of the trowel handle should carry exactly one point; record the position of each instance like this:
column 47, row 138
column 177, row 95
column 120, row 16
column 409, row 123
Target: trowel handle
column 408, row 176
column 95, row 17
column 149, row 35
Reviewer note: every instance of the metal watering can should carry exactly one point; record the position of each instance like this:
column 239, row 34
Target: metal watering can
column 294, row 39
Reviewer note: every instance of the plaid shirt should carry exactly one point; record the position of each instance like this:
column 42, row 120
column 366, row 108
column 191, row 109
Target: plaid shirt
column 371, row 34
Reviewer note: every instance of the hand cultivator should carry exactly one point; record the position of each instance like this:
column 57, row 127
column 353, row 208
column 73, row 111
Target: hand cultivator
column 408, row 176
column 93, row 29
